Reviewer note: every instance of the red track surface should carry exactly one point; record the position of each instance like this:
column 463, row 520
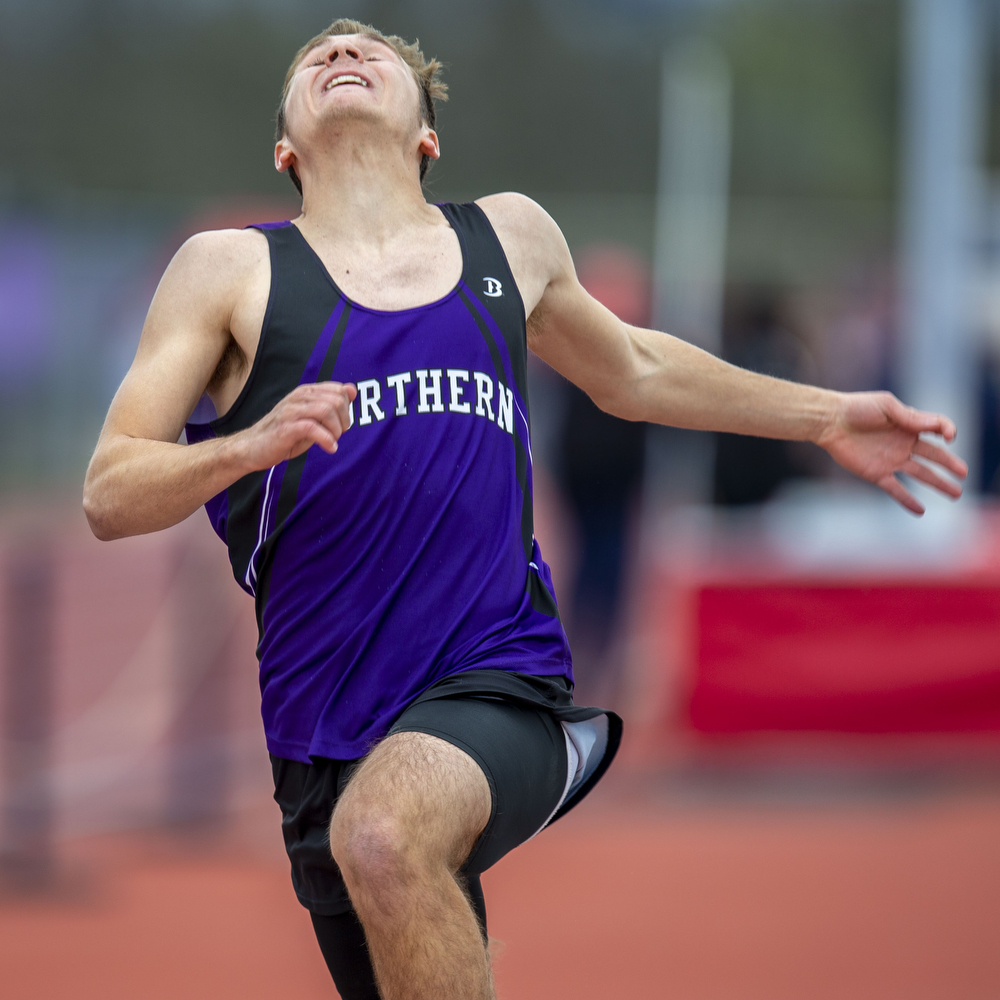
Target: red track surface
column 848, row 900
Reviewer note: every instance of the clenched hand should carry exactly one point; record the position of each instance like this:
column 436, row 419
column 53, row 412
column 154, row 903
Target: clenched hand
column 316, row 413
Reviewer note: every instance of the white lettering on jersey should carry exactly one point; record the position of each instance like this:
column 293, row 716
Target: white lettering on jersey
column 454, row 404
column 505, row 408
column 484, row 395
column 493, row 288
column 369, row 394
column 397, row 382
column 430, row 391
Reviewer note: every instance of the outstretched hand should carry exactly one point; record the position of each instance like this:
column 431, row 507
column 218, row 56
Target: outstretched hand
column 875, row 436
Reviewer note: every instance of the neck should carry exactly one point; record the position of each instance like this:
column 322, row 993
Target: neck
column 360, row 188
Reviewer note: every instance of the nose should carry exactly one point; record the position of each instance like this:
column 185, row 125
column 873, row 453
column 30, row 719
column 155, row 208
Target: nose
column 348, row 51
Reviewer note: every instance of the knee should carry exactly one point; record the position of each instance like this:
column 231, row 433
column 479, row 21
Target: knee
column 375, row 852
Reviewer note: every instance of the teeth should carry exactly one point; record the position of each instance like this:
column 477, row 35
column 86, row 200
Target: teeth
column 346, row 78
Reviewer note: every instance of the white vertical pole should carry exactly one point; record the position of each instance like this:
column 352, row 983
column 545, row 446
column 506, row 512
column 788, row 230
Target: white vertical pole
column 692, row 193
column 944, row 94
column 689, row 264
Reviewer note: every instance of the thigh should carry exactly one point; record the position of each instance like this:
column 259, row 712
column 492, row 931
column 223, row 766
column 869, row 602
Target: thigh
column 421, row 794
column 522, row 753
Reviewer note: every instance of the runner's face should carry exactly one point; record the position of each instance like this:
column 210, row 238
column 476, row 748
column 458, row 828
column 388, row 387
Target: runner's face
column 351, row 76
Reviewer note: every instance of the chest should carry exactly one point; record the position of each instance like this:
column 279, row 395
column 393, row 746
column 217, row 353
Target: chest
column 445, row 305
column 409, row 272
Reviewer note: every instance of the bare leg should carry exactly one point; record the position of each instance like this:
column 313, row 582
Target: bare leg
column 400, row 832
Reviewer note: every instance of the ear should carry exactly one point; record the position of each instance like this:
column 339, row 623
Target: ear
column 284, row 156
column 429, row 145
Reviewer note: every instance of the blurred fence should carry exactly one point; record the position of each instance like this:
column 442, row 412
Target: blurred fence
column 128, row 684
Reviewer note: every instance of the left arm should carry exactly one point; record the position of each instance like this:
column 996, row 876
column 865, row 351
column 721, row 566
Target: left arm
column 642, row 374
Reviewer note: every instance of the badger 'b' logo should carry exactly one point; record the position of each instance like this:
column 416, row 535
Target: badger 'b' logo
column 493, row 288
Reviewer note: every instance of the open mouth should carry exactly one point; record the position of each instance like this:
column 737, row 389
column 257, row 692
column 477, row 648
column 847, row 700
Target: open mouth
column 345, row 78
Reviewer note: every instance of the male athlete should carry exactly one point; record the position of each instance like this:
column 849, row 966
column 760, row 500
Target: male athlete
column 370, row 471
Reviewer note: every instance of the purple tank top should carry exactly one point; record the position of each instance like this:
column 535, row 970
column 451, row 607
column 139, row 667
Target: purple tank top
column 408, row 555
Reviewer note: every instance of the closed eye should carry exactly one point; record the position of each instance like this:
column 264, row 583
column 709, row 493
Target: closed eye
column 322, row 62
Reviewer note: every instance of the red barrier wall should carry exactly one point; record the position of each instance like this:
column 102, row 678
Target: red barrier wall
column 847, row 656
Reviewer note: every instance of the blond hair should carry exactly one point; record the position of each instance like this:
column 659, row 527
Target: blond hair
column 426, row 71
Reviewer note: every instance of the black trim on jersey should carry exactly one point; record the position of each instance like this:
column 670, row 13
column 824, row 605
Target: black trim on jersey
column 520, row 454
column 488, row 337
column 297, row 312
column 286, row 502
column 485, row 258
column 541, row 599
column 298, row 309
column 509, row 318
column 243, row 498
column 332, row 352
column 289, row 493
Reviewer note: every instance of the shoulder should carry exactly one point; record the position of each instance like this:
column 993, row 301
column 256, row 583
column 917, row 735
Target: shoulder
column 212, row 271
column 220, row 253
column 518, row 217
column 534, row 244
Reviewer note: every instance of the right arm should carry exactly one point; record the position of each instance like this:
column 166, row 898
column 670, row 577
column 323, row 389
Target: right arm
column 140, row 479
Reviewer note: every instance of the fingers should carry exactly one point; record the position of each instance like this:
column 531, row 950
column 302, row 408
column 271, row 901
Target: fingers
column 291, row 440
column 934, row 423
column 326, row 403
column 313, row 424
column 317, row 413
column 899, row 493
column 944, row 458
column 920, row 421
column 315, row 432
column 919, row 471
column 931, row 478
column 333, row 393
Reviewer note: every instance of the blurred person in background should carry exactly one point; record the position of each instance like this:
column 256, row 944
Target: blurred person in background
column 415, row 678
column 857, row 339
column 990, row 439
column 988, row 379
column 758, row 337
column 599, row 462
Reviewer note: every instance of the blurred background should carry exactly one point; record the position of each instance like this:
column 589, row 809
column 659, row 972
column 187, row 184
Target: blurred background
column 807, row 802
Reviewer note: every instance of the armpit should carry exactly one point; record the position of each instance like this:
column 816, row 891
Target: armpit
column 233, row 362
column 536, row 324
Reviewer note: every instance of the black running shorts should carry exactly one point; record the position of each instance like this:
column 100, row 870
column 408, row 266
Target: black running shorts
column 513, row 732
